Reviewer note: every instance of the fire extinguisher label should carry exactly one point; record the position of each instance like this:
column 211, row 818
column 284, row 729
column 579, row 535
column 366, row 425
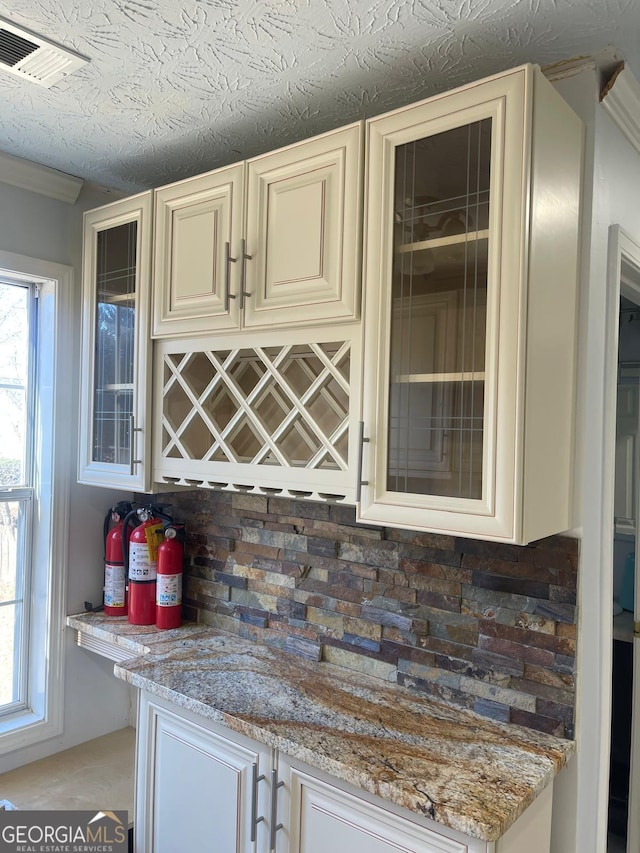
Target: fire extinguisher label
column 169, row 590
column 114, row 585
column 154, row 535
column 141, row 566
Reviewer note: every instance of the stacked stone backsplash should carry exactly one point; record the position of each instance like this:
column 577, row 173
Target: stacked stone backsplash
column 487, row 626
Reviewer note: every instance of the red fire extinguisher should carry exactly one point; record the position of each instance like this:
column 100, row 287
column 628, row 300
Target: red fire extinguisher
column 169, row 586
column 141, row 560
column 115, row 592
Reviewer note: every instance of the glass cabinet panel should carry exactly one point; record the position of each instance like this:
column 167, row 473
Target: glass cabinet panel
column 438, row 313
column 114, row 440
column 114, row 344
column 470, row 274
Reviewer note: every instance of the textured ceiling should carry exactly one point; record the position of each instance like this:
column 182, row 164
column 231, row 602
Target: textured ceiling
column 176, row 88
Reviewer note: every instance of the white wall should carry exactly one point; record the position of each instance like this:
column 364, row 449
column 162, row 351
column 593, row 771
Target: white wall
column 580, row 802
column 95, row 701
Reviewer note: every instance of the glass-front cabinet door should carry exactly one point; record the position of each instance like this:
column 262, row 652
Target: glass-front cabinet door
column 438, row 322
column 114, row 438
column 446, row 277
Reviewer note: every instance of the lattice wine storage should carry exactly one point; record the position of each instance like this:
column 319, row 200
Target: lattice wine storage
column 266, row 418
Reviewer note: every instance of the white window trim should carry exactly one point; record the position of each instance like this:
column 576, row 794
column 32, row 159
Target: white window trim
column 46, row 717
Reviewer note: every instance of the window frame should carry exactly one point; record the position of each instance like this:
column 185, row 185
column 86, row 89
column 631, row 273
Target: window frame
column 43, row 717
column 24, row 493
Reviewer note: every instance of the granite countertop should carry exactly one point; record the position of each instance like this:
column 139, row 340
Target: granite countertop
column 458, row 768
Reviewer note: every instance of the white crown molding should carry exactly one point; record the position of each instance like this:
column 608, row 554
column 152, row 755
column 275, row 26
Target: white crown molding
column 621, row 99
column 39, row 179
column 568, row 68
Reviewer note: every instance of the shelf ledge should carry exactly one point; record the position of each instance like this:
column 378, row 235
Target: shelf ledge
column 425, row 378
column 439, row 242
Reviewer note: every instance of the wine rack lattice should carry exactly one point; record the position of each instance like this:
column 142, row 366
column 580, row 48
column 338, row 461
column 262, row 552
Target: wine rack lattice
column 284, row 406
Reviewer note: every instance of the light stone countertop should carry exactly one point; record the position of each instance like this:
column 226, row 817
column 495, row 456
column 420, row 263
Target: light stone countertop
column 460, row 769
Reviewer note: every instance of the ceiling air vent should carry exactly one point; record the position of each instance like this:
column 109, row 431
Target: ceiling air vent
column 33, row 57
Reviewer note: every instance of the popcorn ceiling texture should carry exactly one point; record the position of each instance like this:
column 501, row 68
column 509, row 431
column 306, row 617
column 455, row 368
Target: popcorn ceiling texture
column 486, row 626
column 174, row 89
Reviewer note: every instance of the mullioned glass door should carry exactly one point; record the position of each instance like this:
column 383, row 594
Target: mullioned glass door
column 438, row 317
column 114, row 439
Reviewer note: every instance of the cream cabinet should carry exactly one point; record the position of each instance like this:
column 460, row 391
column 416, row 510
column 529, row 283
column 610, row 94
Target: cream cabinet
column 321, row 813
column 197, row 222
column 115, row 423
column 324, row 815
column 303, row 231
column 471, row 253
column 271, row 413
column 201, row 786
column 268, row 243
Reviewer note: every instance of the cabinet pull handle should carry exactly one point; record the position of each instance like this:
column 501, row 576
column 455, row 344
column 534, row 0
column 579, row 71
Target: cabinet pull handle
column 133, row 429
column 361, row 442
column 243, row 272
column 255, row 820
column 274, row 810
column 228, row 260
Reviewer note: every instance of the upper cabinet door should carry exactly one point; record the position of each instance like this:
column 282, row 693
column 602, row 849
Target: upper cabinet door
column 303, row 232
column 115, row 427
column 197, row 233
column 470, row 281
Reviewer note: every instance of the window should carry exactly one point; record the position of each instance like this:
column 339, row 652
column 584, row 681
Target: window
column 18, row 340
column 35, row 464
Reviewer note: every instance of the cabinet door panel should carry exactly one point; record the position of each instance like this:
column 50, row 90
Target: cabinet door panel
column 299, row 248
column 115, row 427
column 471, row 244
column 195, row 785
column 324, row 817
column 193, row 254
column 197, row 795
column 195, row 286
column 303, row 218
column 438, row 176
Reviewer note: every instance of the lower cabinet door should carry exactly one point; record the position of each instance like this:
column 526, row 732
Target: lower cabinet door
column 324, row 817
column 196, row 788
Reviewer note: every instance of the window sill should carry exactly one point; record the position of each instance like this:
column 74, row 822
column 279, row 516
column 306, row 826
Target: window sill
column 24, row 729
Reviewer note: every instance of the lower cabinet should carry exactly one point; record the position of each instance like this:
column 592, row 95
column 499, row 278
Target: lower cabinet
column 323, row 816
column 197, row 785
column 202, row 787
